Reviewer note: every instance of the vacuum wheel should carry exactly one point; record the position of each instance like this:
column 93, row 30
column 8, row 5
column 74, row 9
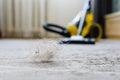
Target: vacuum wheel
column 96, row 32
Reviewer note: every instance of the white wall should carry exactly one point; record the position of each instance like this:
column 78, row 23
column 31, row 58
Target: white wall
column 25, row 18
column 63, row 11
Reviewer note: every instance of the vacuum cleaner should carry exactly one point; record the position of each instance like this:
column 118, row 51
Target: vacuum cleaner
column 81, row 30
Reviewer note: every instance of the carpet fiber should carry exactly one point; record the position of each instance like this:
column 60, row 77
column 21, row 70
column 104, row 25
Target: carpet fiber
column 22, row 60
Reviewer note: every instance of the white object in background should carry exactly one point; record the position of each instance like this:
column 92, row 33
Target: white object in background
column 84, row 11
column 43, row 14
column 35, row 18
column 9, row 16
column 27, row 17
column 18, row 29
column 76, row 38
column 2, row 18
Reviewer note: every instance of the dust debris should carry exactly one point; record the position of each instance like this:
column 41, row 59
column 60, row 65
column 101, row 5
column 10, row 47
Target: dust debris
column 45, row 52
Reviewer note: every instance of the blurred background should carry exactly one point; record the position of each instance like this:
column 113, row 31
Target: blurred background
column 25, row 18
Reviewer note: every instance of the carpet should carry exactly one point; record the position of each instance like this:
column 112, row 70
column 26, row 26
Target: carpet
column 22, row 60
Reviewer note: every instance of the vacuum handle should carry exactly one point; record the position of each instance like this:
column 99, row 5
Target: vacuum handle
column 57, row 29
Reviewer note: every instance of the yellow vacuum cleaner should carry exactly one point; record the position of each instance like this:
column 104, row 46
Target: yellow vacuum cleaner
column 81, row 30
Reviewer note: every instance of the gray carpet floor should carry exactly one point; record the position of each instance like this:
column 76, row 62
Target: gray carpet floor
column 22, row 60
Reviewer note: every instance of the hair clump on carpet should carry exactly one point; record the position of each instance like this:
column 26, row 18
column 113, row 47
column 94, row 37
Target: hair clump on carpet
column 45, row 51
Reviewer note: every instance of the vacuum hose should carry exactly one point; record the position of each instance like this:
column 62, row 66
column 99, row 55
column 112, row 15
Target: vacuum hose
column 56, row 29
